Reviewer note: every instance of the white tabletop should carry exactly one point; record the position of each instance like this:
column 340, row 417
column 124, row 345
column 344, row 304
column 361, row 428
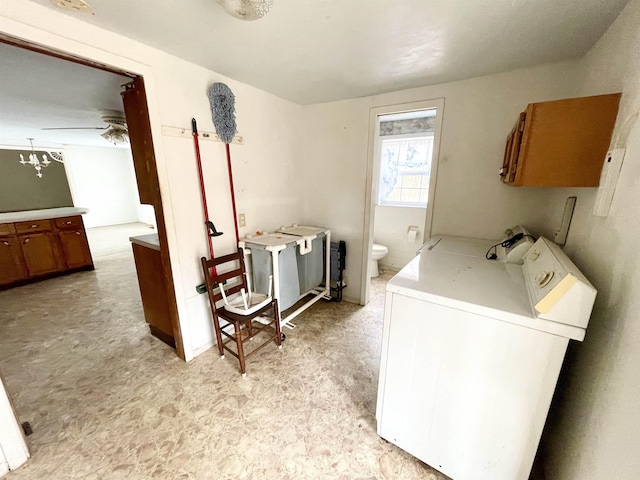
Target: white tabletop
column 270, row 239
column 303, row 230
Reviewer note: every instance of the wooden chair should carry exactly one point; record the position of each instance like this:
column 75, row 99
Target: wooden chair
column 241, row 307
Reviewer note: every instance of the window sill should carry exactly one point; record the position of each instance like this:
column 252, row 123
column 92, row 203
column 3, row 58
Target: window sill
column 401, row 205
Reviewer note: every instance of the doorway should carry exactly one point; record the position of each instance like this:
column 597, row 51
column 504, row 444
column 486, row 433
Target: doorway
column 404, row 143
column 70, row 293
column 134, row 101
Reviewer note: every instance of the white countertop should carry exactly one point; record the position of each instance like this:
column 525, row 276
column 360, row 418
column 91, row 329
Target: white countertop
column 41, row 214
column 150, row 240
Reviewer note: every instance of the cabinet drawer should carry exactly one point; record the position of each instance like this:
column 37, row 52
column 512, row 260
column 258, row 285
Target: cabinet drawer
column 69, row 223
column 7, row 229
column 33, row 226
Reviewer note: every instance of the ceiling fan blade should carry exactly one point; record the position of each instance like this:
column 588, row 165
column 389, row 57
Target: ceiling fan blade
column 75, row 128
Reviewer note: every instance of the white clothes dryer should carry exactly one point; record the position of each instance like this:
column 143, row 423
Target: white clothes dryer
column 471, row 353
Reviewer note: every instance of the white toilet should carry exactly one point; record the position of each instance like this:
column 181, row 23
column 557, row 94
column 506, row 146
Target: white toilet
column 378, row 252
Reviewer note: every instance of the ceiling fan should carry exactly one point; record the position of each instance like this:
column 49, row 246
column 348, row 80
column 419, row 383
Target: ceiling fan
column 115, row 131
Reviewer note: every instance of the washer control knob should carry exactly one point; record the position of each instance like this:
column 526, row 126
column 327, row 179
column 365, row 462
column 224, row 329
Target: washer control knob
column 543, row 278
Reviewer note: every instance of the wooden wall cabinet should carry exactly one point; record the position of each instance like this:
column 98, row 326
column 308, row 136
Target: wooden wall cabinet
column 561, row 143
column 37, row 249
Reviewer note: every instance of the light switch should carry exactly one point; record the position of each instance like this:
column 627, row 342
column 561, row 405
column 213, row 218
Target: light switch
column 241, row 220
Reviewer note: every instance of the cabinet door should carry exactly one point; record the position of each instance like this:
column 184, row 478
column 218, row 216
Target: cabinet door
column 513, row 153
column 76, row 248
column 39, row 251
column 11, row 266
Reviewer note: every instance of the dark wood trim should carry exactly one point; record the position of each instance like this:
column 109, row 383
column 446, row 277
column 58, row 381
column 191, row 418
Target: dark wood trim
column 137, row 114
column 52, row 52
column 160, row 335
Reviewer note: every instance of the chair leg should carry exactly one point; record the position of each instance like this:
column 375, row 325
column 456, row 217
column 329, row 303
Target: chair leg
column 238, row 335
column 216, row 327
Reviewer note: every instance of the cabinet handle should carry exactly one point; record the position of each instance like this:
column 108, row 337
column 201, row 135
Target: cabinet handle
column 35, row 225
column 77, row 233
column 67, row 223
column 7, row 244
column 27, row 240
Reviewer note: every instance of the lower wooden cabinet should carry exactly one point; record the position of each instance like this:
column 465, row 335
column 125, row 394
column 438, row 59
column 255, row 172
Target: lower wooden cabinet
column 37, row 249
column 12, row 267
column 154, row 293
column 40, row 254
column 75, row 247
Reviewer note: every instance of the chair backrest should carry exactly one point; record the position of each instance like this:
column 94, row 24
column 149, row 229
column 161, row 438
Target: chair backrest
column 235, row 277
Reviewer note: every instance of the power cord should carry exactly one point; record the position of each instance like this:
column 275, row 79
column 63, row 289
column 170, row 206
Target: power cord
column 509, row 242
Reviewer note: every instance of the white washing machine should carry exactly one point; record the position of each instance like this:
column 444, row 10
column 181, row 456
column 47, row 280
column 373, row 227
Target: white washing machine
column 471, row 353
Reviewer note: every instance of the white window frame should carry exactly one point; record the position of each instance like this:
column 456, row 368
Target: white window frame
column 373, row 168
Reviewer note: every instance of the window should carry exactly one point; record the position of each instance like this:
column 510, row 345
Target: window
column 405, row 169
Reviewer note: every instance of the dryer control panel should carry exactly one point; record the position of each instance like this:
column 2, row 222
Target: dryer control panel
column 558, row 291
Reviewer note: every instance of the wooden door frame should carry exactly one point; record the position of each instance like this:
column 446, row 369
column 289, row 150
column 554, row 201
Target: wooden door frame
column 158, row 207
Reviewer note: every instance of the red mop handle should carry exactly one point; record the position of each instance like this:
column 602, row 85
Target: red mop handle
column 233, row 195
column 194, row 128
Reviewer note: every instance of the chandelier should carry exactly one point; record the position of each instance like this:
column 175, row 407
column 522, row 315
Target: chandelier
column 35, row 162
column 246, row 9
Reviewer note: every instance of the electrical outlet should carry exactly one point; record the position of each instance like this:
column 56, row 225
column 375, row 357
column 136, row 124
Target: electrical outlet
column 241, row 220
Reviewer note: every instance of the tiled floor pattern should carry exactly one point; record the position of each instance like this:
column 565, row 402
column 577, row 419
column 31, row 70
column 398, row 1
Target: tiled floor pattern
column 108, row 401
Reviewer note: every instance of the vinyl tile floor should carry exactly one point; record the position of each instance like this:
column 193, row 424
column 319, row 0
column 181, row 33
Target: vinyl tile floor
column 106, row 400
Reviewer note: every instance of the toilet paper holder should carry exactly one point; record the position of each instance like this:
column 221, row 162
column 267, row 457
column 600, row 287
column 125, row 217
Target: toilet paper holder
column 412, row 233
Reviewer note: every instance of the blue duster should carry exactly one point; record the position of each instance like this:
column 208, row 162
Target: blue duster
column 223, row 112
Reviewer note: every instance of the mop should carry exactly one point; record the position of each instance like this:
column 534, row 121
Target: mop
column 222, row 103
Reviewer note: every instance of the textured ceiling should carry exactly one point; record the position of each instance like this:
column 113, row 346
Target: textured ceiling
column 302, row 50
column 312, row 51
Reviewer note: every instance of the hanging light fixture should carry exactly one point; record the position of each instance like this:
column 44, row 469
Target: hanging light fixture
column 246, row 9
column 35, row 162
column 116, row 135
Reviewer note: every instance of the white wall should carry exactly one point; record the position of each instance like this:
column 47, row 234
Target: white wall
column 391, row 225
column 469, row 199
column 593, row 429
column 103, row 180
column 264, row 167
column 13, row 449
